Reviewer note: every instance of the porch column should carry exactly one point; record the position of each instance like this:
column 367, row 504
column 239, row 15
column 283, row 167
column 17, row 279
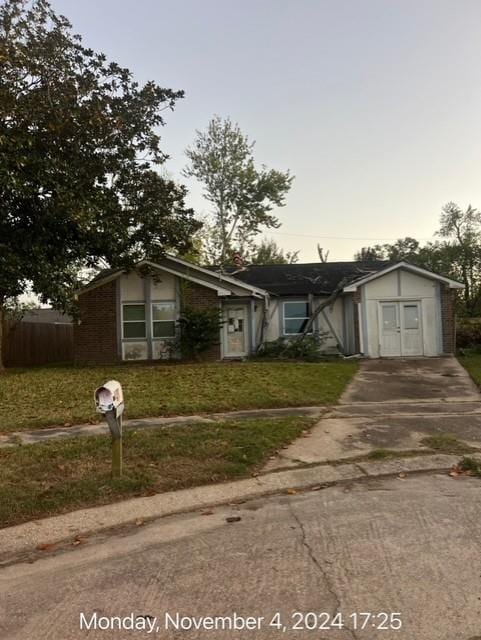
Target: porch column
column 253, row 326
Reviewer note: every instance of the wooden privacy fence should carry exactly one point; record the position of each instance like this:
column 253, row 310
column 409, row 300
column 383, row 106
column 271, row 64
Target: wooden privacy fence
column 30, row 343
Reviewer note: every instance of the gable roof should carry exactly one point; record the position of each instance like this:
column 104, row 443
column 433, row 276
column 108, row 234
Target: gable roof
column 317, row 278
column 407, row 266
column 223, row 284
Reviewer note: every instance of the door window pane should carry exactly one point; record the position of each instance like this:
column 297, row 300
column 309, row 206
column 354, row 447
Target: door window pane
column 236, row 337
column 411, row 316
column 389, row 320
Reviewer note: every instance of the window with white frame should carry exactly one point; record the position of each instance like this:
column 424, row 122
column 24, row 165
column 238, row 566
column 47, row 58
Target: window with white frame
column 295, row 317
column 133, row 321
column 163, row 320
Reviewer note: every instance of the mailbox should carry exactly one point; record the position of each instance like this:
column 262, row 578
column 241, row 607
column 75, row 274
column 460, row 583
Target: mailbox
column 109, row 401
column 110, row 397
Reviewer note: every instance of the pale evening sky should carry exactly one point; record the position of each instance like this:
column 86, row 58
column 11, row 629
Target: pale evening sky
column 374, row 105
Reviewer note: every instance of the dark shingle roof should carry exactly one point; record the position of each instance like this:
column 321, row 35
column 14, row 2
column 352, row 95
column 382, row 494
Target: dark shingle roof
column 318, row 278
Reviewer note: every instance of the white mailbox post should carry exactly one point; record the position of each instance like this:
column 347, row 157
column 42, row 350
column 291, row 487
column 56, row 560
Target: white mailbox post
column 109, row 401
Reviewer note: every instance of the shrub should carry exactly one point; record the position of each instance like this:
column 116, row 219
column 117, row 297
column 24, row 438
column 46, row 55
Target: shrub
column 307, row 348
column 468, row 335
column 199, row 331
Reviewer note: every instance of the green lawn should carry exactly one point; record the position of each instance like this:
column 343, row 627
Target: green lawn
column 39, row 480
column 471, row 361
column 50, row 396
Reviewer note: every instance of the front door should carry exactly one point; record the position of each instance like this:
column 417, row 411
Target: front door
column 235, row 331
column 411, row 336
column 400, row 329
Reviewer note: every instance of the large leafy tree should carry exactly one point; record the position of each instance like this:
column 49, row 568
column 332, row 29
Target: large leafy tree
column 79, row 146
column 243, row 197
column 457, row 254
column 268, row 252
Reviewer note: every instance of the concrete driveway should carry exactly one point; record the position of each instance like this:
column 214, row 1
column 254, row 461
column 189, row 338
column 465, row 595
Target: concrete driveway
column 395, row 405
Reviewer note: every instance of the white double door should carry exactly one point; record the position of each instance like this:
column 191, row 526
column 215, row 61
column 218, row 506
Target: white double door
column 400, row 329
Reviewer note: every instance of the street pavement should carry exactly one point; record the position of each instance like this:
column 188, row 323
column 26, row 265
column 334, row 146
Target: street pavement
column 406, row 546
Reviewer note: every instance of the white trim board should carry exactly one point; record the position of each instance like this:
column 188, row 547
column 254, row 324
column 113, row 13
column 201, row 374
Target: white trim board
column 408, row 267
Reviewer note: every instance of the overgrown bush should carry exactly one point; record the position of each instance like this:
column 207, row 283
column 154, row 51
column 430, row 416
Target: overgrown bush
column 199, row 332
column 307, row 348
column 468, row 335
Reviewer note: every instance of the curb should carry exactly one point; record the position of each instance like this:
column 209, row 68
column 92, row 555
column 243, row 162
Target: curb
column 24, row 538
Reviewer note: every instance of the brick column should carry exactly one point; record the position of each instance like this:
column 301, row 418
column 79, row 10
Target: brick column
column 95, row 338
column 448, row 319
column 198, row 297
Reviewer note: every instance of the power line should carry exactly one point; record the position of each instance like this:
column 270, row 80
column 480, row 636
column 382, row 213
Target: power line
column 316, row 237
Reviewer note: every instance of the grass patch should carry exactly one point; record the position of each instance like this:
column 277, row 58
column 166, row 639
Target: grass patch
column 381, row 454
column 471, row 465
column 48, row 396
column 447, row 443
column 471, row 361
column 62, row 475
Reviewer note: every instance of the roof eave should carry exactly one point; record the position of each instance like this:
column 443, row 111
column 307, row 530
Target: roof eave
column 353, row 287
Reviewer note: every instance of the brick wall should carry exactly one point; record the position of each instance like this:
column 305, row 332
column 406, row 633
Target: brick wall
column 198, row 297
column 448, row 319
column 95, row 338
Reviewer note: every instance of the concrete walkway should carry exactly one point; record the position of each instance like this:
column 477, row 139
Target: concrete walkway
column 42, row 435
column 393, row 404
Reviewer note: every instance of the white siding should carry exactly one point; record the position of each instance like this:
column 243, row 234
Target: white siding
column 401, row 285
column 163, row 288
column 274, row 329
column 132, row 287
column 334, row 314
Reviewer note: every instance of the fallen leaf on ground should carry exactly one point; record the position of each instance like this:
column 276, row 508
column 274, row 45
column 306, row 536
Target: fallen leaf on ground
column 45, row 546
column 233, row 519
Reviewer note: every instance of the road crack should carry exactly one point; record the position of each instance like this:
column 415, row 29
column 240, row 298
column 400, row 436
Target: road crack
column 327, row 579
